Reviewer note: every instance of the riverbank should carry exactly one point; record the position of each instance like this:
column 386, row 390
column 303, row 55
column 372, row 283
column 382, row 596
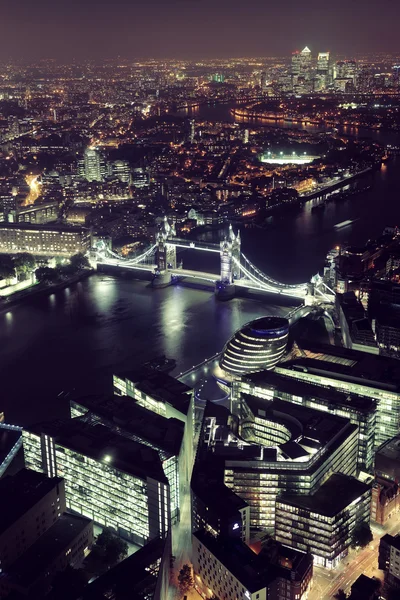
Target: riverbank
column 41, row 289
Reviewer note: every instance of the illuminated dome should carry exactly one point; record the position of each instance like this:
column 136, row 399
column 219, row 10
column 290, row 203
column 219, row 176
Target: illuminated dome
column 258, row 345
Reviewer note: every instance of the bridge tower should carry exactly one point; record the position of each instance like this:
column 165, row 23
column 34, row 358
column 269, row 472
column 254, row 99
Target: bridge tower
column 165, row 252
column 230, row 257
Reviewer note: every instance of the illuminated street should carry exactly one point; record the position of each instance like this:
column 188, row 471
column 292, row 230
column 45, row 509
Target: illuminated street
column 326, row 583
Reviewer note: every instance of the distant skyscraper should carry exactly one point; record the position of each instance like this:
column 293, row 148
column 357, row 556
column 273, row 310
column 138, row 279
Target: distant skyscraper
column 301, row 71
column 263, row 80
column 121, row 170
column 192, row 131
column 323, row 62
column 322, row 75
column 92, row 165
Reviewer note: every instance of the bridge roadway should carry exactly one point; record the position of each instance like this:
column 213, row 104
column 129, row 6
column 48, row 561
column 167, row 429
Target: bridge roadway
column 211, row 277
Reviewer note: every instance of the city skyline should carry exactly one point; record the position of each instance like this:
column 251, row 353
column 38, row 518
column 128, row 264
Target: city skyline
column 193, row 29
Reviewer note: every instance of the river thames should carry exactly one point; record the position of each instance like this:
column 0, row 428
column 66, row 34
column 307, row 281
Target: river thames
column 77, row 337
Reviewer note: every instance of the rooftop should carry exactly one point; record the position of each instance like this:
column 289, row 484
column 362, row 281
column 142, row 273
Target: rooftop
column 348, row 365
column 390, row 449
column 58, row 227
column 103, row 445
column 20, row 492
column 134, row 577
column 283, row 383
column 30, row 566
column 254, row 571
column 331, row 498
column 160, row 386
column 138, row 423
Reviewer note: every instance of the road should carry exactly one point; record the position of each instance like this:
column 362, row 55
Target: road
column 326, row 583
column 182, row 531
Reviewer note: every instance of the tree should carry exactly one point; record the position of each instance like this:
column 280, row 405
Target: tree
column 185, row 579
column 24, row 262
column 79, row 261
column 46, row 275
column 68, row 584
column 6, row 271
column 340, row 595
column 362, row 535
column 111, row 546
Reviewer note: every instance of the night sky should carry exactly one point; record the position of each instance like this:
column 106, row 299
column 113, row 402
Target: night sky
column 195, row 28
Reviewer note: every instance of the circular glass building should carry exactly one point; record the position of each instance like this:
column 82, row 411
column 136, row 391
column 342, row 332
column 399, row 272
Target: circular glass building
column 258, row 345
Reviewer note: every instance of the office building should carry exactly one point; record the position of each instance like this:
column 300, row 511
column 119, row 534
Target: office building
column 144, row 575
column 274, row 448
column 323, row 523
column 389, row 560
column 301, row 71
column 121, row 170
column 350, row 371
column 387, row 329
column 11, row 443
column 37, row 538
column 360, row 410
column 356, row 329
column 165, row 435
column 47, row 240
column 321, row 79
column 216, row 509
column 323, row 62
column 258, row 345
column 139, row 178
column 92, row 165
column 29, row 505
column 385, row 491
column 384, row 312
column 117, row 482
column 301, row 62
column 165, row 396
column 365, row 588
column 38, row 213
column 230, row 569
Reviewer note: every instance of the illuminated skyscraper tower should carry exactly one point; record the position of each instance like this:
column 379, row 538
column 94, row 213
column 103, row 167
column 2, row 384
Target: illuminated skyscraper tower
column 301, row 70
column 92, row 165
column 322, row 75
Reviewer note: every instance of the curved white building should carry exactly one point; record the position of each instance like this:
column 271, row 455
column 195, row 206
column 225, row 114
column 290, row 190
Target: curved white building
column 257, row 346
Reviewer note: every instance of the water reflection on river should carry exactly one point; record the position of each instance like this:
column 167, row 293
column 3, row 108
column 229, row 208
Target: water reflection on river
column 77, row 337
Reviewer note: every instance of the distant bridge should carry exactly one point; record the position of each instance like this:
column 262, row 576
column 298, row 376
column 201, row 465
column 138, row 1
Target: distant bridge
column 235, row 268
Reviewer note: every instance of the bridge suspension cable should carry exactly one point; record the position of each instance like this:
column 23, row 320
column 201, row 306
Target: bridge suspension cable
column 277, row 288
column 260, row 277
column 136, row 259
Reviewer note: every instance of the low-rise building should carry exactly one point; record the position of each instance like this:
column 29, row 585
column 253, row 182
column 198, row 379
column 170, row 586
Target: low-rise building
column 389, row 560
column 47, row 240
column 37, row 538
column 230, row 569
column 385, row 492
column 323, row 523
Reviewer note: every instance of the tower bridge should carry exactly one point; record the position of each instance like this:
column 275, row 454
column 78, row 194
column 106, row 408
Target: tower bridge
column 236, row 270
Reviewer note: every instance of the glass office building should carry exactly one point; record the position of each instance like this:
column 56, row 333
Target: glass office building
column 358, row 374
column 277, row 448
column 360, row 410
column 115, row 481
column 324, row 523
column 125, row 417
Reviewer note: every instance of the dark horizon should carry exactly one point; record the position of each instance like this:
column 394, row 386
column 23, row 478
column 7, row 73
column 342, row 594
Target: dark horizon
column 194, row 29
